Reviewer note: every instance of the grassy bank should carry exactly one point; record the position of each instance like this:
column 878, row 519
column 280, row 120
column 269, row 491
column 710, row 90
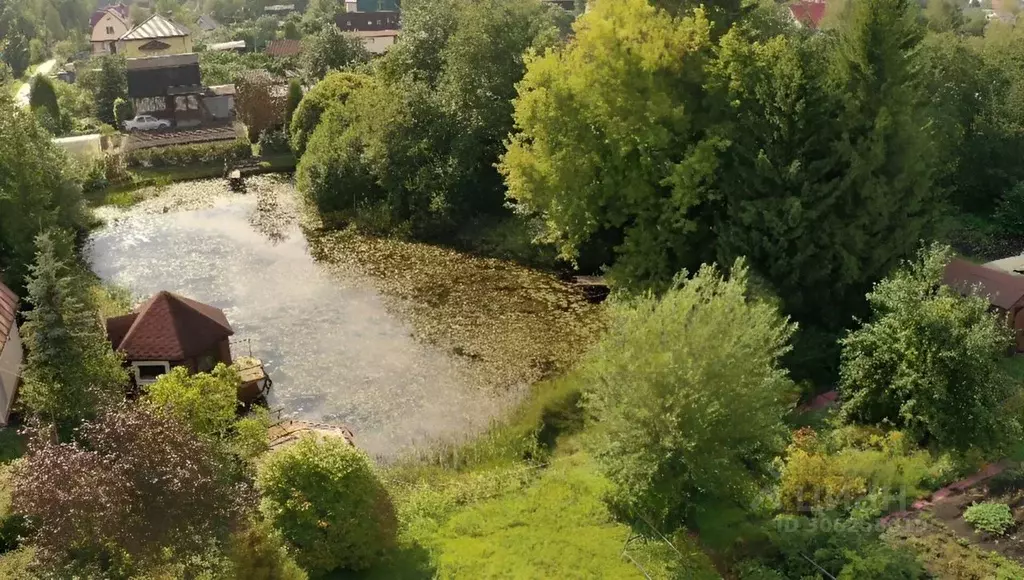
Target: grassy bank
column 524, row 500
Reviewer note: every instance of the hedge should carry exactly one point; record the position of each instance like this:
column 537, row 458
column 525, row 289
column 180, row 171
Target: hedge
column 194, row 154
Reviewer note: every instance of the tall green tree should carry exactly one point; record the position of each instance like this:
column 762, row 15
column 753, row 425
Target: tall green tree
column 37, row 191
column 330, row 49
column 614, row 148
column 44, row 97
column 294, row 98
column 71, row 373
column 688, row 400
column 334, row 89
column 928, row 359
column 110, row 84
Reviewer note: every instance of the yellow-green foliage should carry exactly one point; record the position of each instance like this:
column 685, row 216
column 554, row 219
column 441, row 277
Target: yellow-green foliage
column 523, row 521
column 838, row 469
column 205, row 401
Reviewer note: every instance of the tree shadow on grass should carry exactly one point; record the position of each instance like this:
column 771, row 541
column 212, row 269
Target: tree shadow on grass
column 406, row 562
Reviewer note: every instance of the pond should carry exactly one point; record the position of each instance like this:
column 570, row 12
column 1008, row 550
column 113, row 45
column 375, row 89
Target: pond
column 405, row 343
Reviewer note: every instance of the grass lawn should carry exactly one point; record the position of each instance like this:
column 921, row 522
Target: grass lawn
column 522, row 521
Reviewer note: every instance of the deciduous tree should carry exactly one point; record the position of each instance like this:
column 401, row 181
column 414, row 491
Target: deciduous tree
column 330, row 49
column 139, row 483
column 688, row 398
column 334, row 89
column 321, row 494
column 928, row 360
column 206, row 402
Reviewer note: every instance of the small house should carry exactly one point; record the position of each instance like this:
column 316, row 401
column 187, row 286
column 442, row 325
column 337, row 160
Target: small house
column 170, row 331
column 107, row 27
column 11, row 352
column 155, row 36
column 169, row 87
column 1003, row 290
column 355, row 6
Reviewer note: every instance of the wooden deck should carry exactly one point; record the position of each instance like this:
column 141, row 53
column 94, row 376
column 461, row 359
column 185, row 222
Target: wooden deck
column 289, row 431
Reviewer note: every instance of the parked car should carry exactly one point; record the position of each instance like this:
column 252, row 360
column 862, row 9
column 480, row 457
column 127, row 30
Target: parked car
column 146, row 123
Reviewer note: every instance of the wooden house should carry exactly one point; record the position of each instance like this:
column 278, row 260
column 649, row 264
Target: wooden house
column 171, row 331
column 11, row 352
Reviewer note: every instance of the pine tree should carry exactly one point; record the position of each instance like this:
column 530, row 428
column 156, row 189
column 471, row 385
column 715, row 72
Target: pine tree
column 43, row 96
column 71, row 371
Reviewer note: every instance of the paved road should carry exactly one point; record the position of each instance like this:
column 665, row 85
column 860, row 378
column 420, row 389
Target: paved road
column 25, row 89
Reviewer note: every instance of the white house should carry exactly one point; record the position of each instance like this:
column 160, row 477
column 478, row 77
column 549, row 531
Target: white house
column 376, row 41
column 109, row 27
column 11, row 352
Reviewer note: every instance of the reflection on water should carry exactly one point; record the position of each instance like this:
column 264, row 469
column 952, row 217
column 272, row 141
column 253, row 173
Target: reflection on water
column 332, row 348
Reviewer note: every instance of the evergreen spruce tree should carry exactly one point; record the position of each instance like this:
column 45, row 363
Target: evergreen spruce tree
column 44, row 97
column 71, row 371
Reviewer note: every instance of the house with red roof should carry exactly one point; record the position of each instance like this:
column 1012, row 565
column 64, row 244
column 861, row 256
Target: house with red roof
column 808, row 13
column 11, row 352
column 169, row 331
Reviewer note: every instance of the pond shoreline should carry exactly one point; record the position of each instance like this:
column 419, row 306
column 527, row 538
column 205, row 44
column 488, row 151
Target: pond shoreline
column 408, row 344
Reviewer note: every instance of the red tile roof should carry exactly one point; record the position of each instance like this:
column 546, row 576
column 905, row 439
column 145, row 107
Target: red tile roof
column 168, row 327
column 808, row 13
column 8, row 312
column 283, row 47
column 1001, row 288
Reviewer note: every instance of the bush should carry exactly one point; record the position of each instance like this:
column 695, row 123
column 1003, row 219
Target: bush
column 179, row 155
column 322, row 495
column 878, row 561
column 274, row 141
column 1011, row 479
column 258, row 553
column 990, row 517
column 207, row 402
column 853, row 469
column 688, row 399
column 334, row 89
column 123, row 111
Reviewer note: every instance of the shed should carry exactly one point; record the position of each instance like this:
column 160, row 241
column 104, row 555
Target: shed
column 237, row 45
column 1003, row 290
column 11, row 352
column 283, row 47
column 167, row 331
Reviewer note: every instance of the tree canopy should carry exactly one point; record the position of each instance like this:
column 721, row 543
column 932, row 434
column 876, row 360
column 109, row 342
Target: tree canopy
column 928, row 360
column 688, row 398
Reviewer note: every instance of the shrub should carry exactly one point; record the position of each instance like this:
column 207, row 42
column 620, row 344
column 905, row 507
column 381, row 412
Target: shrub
column 258, row 553
column 990, row 517
column 688, row 398
column 123, row 111
column 322, row 495
column 855, row 470
column 1011, row 479
column 878, row 561
column 136, row 485
column 927, row 359
column 274, row 141
column 195, row 154
column 335, row 88
column 207, row 402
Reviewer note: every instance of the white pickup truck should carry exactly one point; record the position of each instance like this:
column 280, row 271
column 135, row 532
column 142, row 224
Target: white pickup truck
column 146, row 123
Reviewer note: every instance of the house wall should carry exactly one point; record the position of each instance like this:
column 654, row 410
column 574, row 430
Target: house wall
column 378, row 44
column 177, row 45
column 10, row 369
column 101, row 39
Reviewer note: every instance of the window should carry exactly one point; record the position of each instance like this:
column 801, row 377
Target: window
column 147, row 372
column 110, row 30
